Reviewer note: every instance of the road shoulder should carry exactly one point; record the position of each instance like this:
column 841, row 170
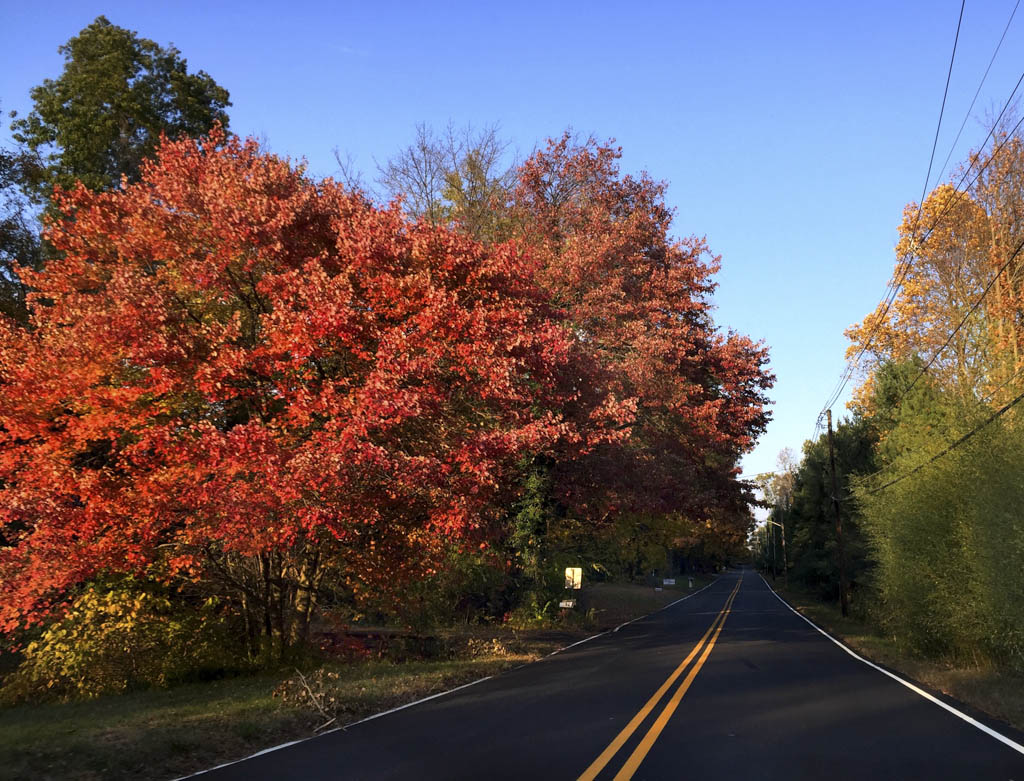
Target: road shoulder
column 990, row 700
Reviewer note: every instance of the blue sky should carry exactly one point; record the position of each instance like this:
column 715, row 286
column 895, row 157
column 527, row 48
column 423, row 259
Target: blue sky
column 791, row 134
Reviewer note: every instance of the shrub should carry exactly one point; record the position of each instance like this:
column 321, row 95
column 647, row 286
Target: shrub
column 116, row 639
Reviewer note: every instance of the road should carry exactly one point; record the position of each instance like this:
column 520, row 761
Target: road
column 727, row 683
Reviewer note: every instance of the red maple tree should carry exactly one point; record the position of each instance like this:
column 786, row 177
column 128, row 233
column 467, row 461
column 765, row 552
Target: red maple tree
column 236, row 372
column 639, row 302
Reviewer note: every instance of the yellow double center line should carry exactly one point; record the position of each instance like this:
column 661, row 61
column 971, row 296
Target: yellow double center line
column 644, row 746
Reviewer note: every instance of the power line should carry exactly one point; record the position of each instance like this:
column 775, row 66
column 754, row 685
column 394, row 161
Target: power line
column 891, row 295
column 977, row 92
column 960, row 325
column 997, row 414
column 903, row 268
column 942, row 109
column 1013, row 378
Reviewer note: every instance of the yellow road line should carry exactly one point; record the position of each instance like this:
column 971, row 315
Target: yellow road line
column 598, row 764
column 654, row 732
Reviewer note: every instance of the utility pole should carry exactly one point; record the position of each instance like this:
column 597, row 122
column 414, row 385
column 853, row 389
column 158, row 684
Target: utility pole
column 844, row 604
column 764, row 550
column 785, row 562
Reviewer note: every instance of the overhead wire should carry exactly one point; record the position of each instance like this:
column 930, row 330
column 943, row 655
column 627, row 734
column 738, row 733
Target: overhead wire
column 1020, row 397
column 900, row 276
column 942, row 109
column 977, row 92
column 953, row 445
column 960, row 325
column 895, row 285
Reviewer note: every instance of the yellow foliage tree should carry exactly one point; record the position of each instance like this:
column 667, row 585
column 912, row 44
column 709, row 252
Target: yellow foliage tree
column 942, row 269
column 1000, row 189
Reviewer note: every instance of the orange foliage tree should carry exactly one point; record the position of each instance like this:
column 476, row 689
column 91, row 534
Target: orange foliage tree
column 944, row 265
column 639, row 304
column 237, row 374
column 1000, row 190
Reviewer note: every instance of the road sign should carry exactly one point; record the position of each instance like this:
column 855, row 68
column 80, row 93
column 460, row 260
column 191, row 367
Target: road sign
column 574, row 577
column 567, row 603
column 669, row 582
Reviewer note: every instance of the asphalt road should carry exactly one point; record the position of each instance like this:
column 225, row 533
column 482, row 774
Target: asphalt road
column 727, row 683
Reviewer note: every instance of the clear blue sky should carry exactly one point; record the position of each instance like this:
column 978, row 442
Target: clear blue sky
column 791, row 134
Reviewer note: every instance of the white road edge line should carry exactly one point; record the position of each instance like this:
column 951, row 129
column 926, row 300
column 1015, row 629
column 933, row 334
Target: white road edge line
column 337, row 729
column 960, row 714
column 573, row 645
column 682, row 599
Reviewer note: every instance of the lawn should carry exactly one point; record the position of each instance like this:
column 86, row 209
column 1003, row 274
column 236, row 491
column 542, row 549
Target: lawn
column 614, row 603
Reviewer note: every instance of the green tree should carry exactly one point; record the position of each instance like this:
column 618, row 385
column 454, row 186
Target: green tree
column 106, row 111
column 19, row 239
column 810, row 518
column 946, row 534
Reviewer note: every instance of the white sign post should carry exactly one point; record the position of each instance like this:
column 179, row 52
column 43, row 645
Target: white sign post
column 573, row 582
column 574, row 577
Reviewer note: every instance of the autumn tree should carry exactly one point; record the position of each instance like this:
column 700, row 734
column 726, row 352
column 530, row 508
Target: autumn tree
column 264, row 383
column 943, row 266
column 639, row 303
column 999, row 189
column 104, row 114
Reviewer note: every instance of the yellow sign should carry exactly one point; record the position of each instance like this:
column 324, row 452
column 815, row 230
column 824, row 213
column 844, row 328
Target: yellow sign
column 574, row 577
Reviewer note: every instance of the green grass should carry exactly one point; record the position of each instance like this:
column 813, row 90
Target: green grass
column 142, row 734
column 167, row 733
column 156, row 734
column 993, row 691
column 614, row 603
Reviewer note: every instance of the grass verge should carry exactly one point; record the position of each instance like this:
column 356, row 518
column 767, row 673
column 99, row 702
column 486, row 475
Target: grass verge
column 615, row 603
column 168, row 733
column 998, row 693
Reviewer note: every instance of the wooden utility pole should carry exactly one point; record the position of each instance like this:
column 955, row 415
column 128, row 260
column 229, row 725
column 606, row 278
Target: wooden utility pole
column 844, row 604
column 785, row 561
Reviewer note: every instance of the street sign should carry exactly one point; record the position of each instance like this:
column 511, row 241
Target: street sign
column 567, row 603
column 669, row 582
column 574, row 577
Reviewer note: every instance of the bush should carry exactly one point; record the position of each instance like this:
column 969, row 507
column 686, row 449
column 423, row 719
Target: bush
column 468, row 588
column 950, row 540
column 113, row 640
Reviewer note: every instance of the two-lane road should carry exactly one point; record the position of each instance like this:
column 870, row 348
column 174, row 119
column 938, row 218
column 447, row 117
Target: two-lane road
column 729, row 681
